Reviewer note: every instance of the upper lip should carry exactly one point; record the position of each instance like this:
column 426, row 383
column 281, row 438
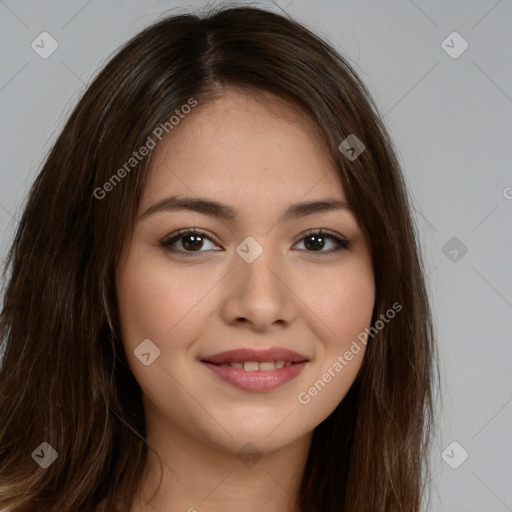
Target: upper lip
column 249, row 354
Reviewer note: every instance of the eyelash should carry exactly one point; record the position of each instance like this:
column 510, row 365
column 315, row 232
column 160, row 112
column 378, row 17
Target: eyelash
column 166, row 243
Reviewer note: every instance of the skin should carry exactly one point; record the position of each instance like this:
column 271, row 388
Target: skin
column 259, row 155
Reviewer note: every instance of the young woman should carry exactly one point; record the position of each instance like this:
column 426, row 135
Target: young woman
column 215, row 298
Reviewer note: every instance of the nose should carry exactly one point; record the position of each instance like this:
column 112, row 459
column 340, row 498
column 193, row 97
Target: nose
column 260, row 294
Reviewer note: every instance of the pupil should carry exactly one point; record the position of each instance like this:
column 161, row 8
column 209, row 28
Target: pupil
column 196, row 242
column 317, row 242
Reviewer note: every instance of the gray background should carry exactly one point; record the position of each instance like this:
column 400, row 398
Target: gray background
column 450, row 119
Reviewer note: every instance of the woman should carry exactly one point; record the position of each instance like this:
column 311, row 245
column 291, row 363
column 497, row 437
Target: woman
column 216, row 299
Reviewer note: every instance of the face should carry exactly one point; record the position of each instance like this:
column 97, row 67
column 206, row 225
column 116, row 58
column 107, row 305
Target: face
column 247, row 277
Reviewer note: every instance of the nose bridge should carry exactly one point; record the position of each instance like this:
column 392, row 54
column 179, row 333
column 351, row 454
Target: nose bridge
column 258, row 268
column 259, row 292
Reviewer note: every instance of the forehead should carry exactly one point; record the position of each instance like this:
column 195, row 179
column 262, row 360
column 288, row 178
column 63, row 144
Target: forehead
column 243, row 146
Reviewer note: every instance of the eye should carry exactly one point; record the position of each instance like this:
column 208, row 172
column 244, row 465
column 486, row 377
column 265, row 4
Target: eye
column 315, row 241
column 192, row 241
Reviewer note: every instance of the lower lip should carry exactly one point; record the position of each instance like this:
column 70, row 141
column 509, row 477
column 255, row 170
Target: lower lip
column 258, row 380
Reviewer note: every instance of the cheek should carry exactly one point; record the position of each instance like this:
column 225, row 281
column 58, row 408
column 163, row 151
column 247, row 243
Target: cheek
column 355, row 302
column 346, row 307
column 162, row 304
column 155, row 301
column 344, row 302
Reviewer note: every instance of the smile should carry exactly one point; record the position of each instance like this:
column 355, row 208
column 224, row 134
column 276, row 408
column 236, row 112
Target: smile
column 255, row 378
column 253, row 366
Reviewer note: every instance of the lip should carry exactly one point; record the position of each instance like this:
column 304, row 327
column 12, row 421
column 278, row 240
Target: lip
column 258, row 380
column 249, row 354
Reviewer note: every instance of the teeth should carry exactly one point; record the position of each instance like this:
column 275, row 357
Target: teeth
column 252, row 366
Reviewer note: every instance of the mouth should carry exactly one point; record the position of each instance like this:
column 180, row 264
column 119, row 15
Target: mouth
column 256, row 370
column 251, row 355
column 254, row 366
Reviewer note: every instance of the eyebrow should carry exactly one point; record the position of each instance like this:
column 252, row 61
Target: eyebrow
column 223, row 211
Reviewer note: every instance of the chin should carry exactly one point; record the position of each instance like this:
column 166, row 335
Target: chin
column 268, row 435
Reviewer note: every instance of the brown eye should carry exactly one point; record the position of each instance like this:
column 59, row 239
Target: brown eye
column 317, row 241
column 191, row 241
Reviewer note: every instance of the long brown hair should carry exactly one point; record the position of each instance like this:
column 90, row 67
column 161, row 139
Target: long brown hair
column 64, row 377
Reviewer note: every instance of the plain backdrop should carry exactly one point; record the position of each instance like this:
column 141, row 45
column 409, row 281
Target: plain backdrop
column 449, row 114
